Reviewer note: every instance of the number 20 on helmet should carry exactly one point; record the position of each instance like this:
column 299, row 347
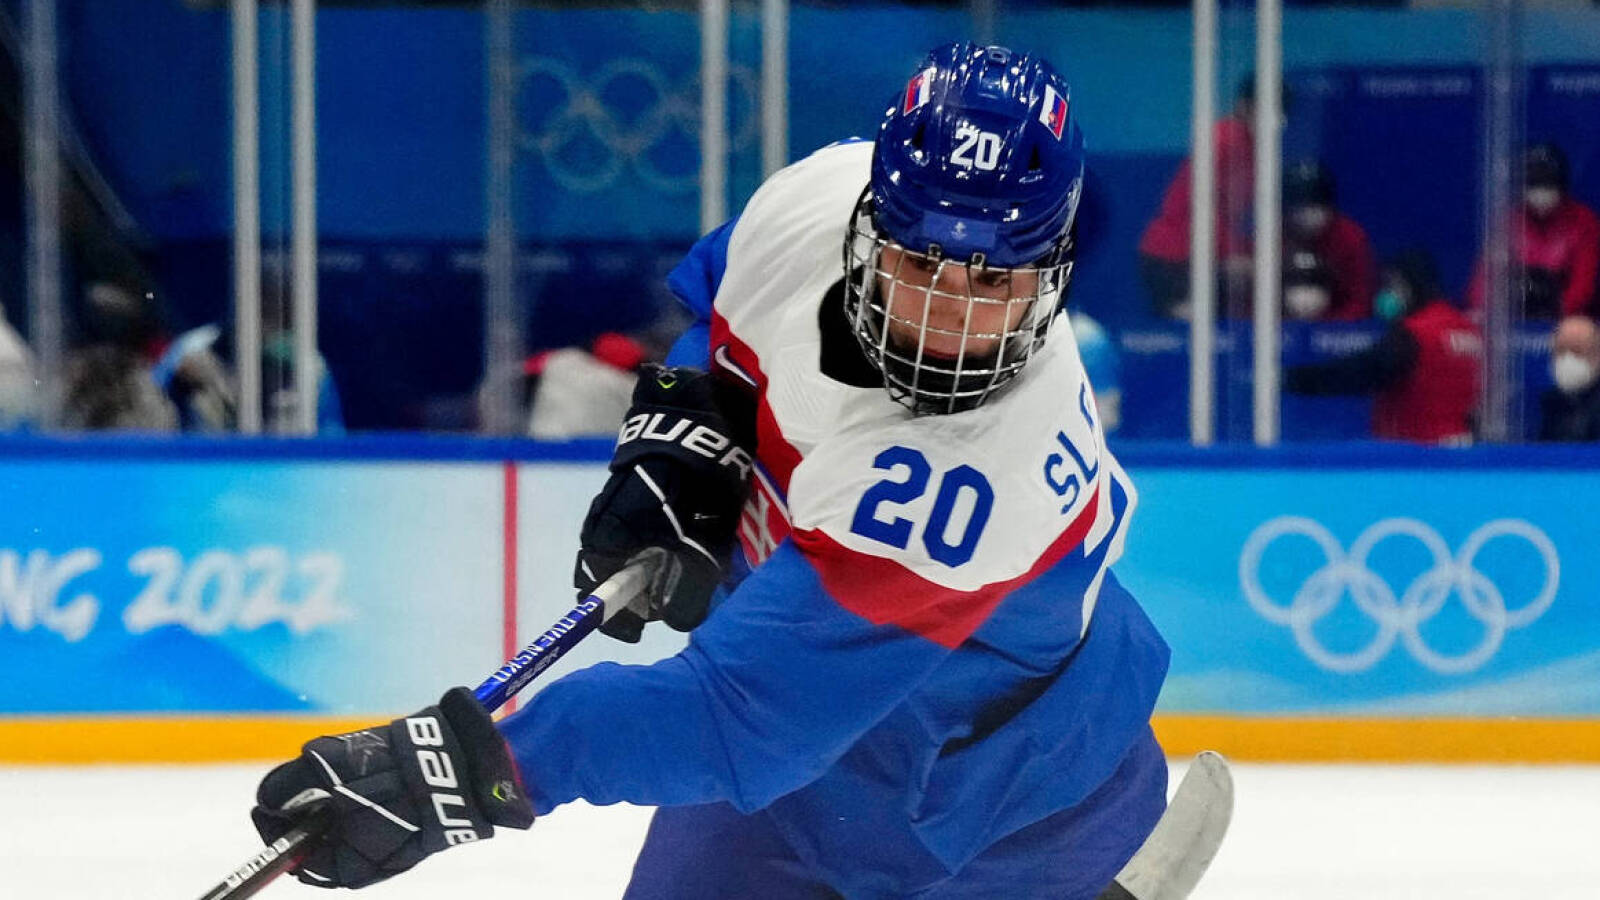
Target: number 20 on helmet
column 960, row 248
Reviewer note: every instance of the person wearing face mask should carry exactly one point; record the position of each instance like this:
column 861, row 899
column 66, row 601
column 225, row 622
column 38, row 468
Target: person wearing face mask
column 1307, row 287
column 1164, row 245
column 1555, row 239
column 1570, row 409
column 1315, row 229
column 1424, row 371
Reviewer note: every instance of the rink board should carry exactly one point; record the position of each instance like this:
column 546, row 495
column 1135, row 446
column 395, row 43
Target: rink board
column 224, row 601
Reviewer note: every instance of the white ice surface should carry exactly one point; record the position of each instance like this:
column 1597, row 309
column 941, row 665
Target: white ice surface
column 1299, row 832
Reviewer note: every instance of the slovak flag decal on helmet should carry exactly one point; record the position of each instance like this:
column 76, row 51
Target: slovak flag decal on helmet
column 1053, row 112
column 917, row 90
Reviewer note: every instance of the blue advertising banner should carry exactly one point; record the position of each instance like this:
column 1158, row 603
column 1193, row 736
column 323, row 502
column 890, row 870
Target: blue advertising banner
column 1382, row 597
column 1357, row 590
column 245, row 585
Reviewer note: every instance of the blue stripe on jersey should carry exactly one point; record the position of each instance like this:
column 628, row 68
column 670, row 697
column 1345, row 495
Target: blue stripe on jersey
column 777, row 684
column 692, row 348
column 695, row 279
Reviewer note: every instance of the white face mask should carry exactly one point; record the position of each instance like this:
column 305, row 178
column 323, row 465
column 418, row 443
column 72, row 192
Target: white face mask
column 1572, row 373
column 1541, row 200
column 1311, row 219
column 1305, row 301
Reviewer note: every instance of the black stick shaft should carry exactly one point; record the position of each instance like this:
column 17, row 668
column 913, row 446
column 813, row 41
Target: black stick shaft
column 277, row 858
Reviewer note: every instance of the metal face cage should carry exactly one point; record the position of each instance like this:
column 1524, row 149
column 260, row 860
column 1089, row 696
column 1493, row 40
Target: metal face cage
column 946, row 334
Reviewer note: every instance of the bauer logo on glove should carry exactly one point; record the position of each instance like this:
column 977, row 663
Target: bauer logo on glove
column 678, row 480
column 393, row 795
column 699, row 439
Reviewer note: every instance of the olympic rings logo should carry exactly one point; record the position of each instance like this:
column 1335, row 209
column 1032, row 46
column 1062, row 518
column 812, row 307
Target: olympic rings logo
column 627, row 117
column 1397, row 617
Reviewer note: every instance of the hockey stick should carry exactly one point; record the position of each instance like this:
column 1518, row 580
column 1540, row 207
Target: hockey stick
column 1185, row 839
column 650, row 573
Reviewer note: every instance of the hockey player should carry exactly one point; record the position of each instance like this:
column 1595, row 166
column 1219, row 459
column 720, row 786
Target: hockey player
column 889, row 488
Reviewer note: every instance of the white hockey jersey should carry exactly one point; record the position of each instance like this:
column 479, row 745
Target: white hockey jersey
column 962, row 502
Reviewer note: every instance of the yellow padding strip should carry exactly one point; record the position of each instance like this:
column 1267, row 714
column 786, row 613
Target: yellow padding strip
column 1307, row 739
column 97, row 739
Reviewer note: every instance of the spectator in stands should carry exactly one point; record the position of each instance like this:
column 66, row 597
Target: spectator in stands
column 196, row 373
column 108, row 389
column 280, row 396
column 1570, row 409
column 19, row 397
column 108, row 383
column 1424, row 370
column 1164, row 246
column 1307, row 286
column 576, row 392
column 197, row 381
column 1555, row 242
column 1317, row 235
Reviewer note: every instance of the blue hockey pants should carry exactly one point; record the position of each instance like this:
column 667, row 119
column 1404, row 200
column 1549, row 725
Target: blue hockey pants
column 713, row 852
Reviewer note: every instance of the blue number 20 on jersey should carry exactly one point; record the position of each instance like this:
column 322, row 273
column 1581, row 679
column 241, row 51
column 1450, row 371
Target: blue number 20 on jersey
column 909, row 476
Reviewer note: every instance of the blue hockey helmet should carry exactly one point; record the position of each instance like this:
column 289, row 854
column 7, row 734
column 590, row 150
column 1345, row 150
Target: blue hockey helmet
column 979, row 156
column 959, row 250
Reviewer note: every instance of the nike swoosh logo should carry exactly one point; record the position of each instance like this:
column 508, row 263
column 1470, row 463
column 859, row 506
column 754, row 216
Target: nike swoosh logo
column 723, row 359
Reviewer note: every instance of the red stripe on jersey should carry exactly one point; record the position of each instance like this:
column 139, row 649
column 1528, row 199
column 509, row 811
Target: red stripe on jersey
column 776, row 453
column 884, row 592
column 764, row 521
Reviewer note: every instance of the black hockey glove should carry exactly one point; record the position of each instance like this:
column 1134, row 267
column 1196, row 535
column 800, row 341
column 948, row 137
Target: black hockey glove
column 394, row 794
column 677, row 482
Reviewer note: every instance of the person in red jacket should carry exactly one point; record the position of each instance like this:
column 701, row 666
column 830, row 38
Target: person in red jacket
column 1164, row 246
column 1424, row 372
column 1555, row 238
column 1315, row 229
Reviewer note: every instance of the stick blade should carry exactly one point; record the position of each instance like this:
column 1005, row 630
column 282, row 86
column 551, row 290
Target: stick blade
column 1186, row 839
